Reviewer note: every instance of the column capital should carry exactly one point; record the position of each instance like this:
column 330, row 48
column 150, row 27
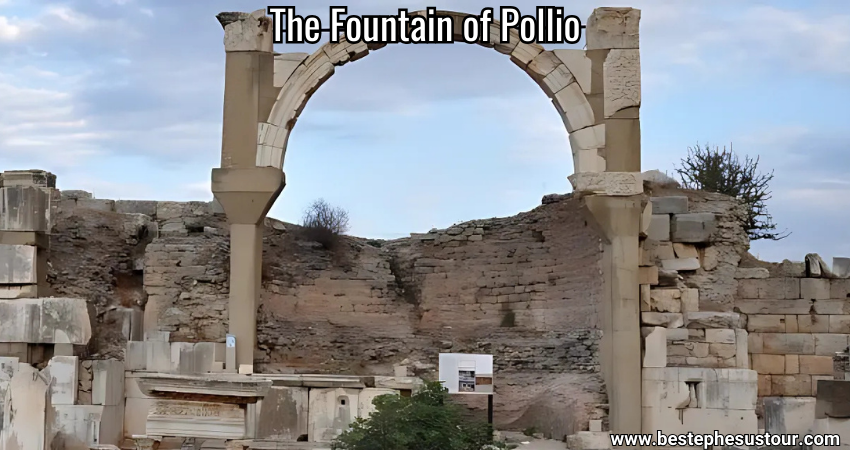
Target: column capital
column 244, row 32
column 609, row 28
column 247, row 194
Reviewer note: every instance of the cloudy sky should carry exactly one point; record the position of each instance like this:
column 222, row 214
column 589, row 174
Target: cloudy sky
column 124, row 98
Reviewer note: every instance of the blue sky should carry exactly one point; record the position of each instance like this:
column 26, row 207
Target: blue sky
column 123, row 98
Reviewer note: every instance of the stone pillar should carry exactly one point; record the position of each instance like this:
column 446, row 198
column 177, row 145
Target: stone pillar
column 615, row 201
column 246, row 192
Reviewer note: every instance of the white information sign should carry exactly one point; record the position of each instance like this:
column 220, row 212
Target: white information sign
column 466, row 373
column 230, row 340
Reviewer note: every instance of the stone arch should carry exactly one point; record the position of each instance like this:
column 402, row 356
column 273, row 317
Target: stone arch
column 565, row 75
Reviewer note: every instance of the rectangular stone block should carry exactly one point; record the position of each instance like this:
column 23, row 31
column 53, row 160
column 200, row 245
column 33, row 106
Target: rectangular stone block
column 839, row 324
column 283, row 413
column 96, row 204
column 681, row 264
column 829, row 344
column 331, row 411
column 668, row 320
column 788, row 415
column 771, row 288
column 692, row 228
column 62, row 371
column 791, row 324
column 720, row 336
column 659, row 228
column 789, row 343
column 665, row 394
column 136, row 416
column 728, row 395
column 764, row 323
column 51, row 320
column 607, row 183
column 768, row 307
column 769, row 364
column 18, row 264
column 814, row 288
column 839, row 288
column 107, row 382
column 203, row 355
column 20, row 291
column 182, row 357
column 751, row 273
column 146, row 207
column 834, row 306
column 134, row 356
column 764, row 385
column 24, row 208
column 669, row 205
column 812, row 323
column 742, row 357
column 816, row 365
column 158, row 356
column 655, row 348
column 710, row 319
column 189, row 419
column 791, row 385
column 648, row 275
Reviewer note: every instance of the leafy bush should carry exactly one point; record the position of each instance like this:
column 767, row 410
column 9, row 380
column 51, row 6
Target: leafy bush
column 721, row 171
column 424, row 421
column 324, row 223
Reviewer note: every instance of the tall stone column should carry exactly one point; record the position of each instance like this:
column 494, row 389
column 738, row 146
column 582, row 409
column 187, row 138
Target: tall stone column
column 614, row 199
column 246, row 192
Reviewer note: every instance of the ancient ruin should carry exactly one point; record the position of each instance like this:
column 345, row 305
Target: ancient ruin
column 630, row 305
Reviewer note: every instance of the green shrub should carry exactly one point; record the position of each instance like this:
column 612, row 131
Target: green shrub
column 424, row 421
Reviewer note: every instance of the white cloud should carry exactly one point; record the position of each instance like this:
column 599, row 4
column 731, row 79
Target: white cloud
column 8, row 30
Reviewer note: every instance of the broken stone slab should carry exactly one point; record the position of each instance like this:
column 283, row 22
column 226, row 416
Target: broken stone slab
column 681, row 264
column 655, row 348
column 63, row 375
column 684, row 251
column 50, row 320
column 28, row 395
column 692, row 228
column 607, row 183
column 669, row 205
column 816, row 267
column 665, row 300
column 659, row 178
column 18, row 264
column 219, row 385
column 709, row 319
column 40, row 178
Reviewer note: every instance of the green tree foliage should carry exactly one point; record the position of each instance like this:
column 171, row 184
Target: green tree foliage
column 424, row 421
column 722, row 171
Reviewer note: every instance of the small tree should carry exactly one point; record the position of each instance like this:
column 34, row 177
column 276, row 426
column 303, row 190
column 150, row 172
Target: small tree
column 325, row 223
column 424, row 421
column 723, row 172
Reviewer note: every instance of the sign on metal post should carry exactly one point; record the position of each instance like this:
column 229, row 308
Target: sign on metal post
column 466, row 373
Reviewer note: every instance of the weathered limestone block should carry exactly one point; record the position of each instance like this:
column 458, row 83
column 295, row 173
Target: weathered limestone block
column 578, row 64
column 79, row 427
column 829, row 344
column 729, row 395
column 659, row 228
column 97, row 204
column 814, row 288
column 573, row 106
column 190, row 419
column 524, row 53
column 742, row 358
column 25, row 410
column 841, row 267
column 331, row 412
column 590, row 138
column 812, row 323
column 25, row 208
column 839, row 324
column 616, row 184
column 792, row 364
column 670, row 205
column 769, row 364
column 768, row 307
column 788, row 415
column 146, row 207
column 655, row 346
column 791, row 385
column 613, row 28
column 681, row 264
column 18, row 264
column 245, row 32
column 788, row 343
column 19, row 291
column 557, row 80
column 692, row 228
column 765, row 323
column 685, row 251
column 668, row 320
column 107, row 382
column 621, row 73
column 63, row 376
column 542, row 65
column 345, row 51
column 752, row 273
column 665, row 300
column 816, row 365
column 293, row 97
column 45, row 321
column 771, row 288
column 708, row 319
column 720, row 336
column 282, row 414
column 690, row 300
column 648, row 275
column 834, row 307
